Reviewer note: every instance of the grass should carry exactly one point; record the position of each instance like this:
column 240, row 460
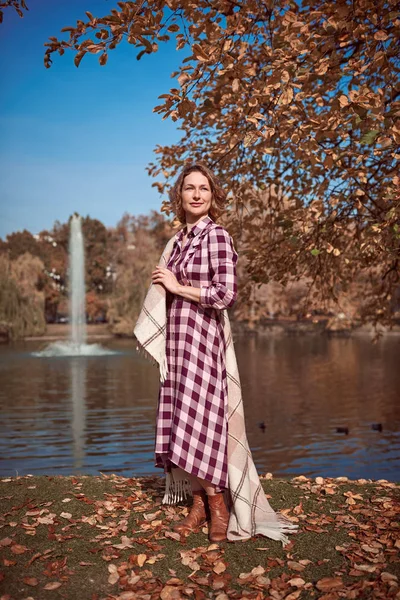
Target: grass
column 109, row 537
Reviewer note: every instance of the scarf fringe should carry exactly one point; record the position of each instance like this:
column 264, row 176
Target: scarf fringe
column 163, row 369
column 143, row 352
column 277, row 530
column 177, row 488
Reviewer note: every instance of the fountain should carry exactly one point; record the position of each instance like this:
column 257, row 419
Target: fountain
column 76, row 345
column 77, row 305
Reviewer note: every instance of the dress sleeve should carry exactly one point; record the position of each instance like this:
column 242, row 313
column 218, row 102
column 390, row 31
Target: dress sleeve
column 222, row 260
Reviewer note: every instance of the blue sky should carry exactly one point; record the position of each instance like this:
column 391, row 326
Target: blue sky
column 76, row 139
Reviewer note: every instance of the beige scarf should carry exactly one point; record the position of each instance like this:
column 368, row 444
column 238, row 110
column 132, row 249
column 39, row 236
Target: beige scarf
column 250, row 512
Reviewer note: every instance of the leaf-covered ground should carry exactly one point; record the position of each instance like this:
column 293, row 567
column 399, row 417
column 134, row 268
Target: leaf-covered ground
column 109, row 537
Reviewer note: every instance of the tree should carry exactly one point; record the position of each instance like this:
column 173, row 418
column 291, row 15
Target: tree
column 21, row 303
column 96, row 238
column 19, row 243
column 137, row 243
column 303, row 95
column 19, row 7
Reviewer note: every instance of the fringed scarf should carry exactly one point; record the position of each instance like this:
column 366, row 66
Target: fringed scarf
column 250, row 512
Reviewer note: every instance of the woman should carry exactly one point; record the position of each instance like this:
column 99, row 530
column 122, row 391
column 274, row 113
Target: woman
column 200, row 438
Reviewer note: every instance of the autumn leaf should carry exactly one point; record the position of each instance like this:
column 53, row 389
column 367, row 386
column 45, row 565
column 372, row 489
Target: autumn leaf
column 220, row 567
column 173, row 535
column 296, row 582
column 287, row 96
column 141, row 559
column 30, row 581
column 66, row 515
column 170, row 592
column 328, row 584
column 295, row 566
column 114, row 575
column 381, row 36
column 52, row 585
column 18, row 549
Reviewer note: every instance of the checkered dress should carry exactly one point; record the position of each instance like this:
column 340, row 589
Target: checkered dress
column 191, row 430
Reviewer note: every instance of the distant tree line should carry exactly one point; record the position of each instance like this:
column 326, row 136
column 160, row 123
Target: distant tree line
column 119, row 261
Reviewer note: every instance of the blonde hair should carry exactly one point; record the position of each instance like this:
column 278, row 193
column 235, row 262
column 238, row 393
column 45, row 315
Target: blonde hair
column 218, row 198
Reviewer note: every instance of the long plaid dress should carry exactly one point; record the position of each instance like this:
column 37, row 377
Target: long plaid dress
column 191, row 430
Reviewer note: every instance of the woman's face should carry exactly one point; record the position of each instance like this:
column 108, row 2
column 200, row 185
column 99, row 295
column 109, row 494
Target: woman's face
column 196, row 196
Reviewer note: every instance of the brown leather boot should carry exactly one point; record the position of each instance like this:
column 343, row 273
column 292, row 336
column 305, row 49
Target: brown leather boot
column 197, row 516
column 219, row 517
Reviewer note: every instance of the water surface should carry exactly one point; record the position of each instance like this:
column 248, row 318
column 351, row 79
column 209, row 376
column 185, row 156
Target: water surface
column 85, row 415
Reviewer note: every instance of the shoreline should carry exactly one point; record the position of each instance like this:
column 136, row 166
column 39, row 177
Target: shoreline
column 272, row 327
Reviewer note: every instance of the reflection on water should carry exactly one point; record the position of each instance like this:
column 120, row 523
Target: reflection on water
column 90, row 414
column 78, row 402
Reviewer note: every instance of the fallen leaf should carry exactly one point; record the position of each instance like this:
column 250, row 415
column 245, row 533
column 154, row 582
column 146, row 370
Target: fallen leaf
column 151, row 516
column 264, row 581
column 30, row 581
column 218, row 583
column 52, row 585
column 114, row 576
column 387, row 577
column 174, row 581
column 47, row 519
column 9, row 563
column 293, row 595
column 18, row 549
column 66, row 515
column 141, row 559
column 296, row 582
column 212, row 547
column 295, row 566
column 329, row 583
column 173, row 535
column 220, row 567
column 371, row 549
column 170, row 592
column 156, row 523
column 258, row 571
column 125, row 543
column 366, row 568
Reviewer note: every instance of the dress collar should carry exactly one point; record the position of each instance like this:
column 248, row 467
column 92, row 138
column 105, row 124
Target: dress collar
column 202, row 224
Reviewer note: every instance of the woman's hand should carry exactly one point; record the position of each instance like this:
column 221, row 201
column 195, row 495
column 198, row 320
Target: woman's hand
column 166, row 278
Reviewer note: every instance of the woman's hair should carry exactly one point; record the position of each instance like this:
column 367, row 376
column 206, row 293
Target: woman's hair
column 218, row 198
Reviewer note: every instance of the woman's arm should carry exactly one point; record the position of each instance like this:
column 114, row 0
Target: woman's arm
column 222, row 258
column 223, row 289
column 169, row 281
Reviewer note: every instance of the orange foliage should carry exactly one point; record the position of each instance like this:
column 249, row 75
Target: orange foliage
column 303, row 96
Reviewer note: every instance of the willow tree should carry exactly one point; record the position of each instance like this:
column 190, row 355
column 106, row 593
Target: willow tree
column 302, row 96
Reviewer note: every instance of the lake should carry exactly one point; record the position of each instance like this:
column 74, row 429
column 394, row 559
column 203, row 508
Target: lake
column 96, row 414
